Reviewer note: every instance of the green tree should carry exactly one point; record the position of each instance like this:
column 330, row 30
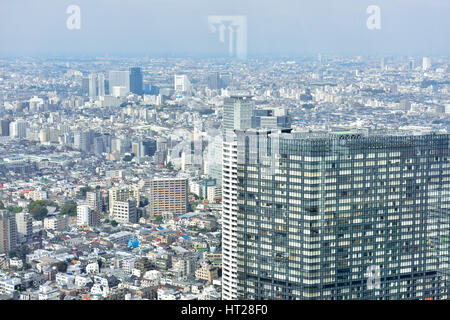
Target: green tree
column 41, row 203
column 15, row 209
column 39, row 213
column 83, row 190
column 169, row 166
column 12, row 253
column 114, row 223
column 2, row 206
column 69, row 208
column 20, row 253
column 62, row 266
column 128, row 158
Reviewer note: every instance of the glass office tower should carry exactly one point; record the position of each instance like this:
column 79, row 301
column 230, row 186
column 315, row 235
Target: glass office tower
column 342, row 215
column 136, row 81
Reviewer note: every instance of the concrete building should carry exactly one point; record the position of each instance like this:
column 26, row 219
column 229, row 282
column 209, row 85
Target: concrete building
column 84, row 215
column 24, row 227
column 56, row 223
column 426, row 63
column 238, row 111
column 136, row 81
column 8, row 231
column 125, row 211
column 207, row 272
column 119, row 83
column 182, row 84
column 168, row 195
column 18, row 129
column 123, row 194
column 342, row 215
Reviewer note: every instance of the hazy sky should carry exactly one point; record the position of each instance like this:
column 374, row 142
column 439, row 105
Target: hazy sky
column 177, row 27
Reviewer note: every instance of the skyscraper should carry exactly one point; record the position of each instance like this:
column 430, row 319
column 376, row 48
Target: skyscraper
column 24, row 227
column 136, row 81
column 119, row 79
column 101, row 85
column 426, row 63
column 93, row 82
column 4, row 127
column 182, row 84
column 342, row 215
column 8, row 231
column 215, row 82
column 237, row 113
column 18, row 129
column 85, row 86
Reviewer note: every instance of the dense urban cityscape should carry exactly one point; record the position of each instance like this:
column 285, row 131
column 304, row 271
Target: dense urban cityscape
column 205, row 179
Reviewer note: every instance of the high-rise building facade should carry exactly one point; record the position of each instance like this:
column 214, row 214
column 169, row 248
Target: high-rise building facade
column 136, row 81
column 101, row 85
column 271, row 119
column 123, row 194
column 84, row 215
column 342, row 215
column 215, row 81
column 125, row 211
column 4, row 127
column 24, row 227
column 18, row 129
column 426, row 63
column 8, row 231
column 93, row 85
column 237, row 112
column 182, row 84
column 168, row 195
column 119, row 81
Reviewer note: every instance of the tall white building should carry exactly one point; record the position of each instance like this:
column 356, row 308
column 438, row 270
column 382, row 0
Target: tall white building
column 426, row 63
column 125, row 211
column 237, row 116
column 94, row 200
column 35, row 104
column 84, row 215
column 18, row 129
column 214, row 160
column 101, row 85
column 24, row 227
column 119, row 82
column 93, row 85
column 182, row 84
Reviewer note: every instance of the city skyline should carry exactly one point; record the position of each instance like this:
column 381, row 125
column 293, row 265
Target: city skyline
column 224, row 150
